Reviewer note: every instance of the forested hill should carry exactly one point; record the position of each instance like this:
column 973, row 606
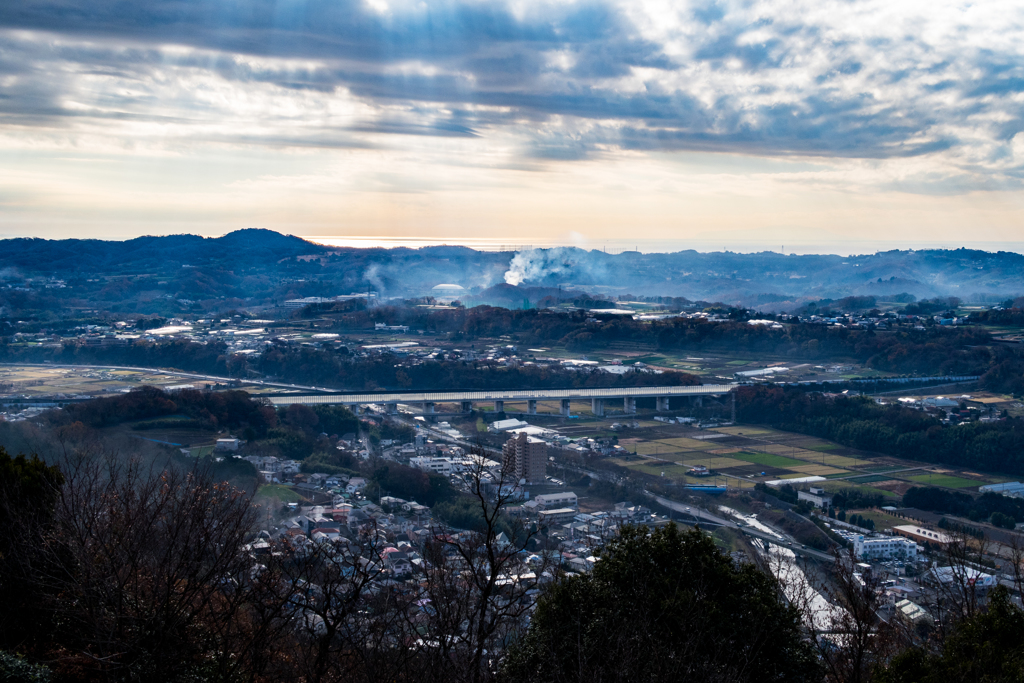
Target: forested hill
column 244, row 261
column 64, row 257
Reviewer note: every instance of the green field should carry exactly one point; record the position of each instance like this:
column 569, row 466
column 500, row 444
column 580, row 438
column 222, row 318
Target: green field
column 670, row 470
column 285, row 494
column 833, row 486
column 946, row 480
column 753, row 448
column 881, row 519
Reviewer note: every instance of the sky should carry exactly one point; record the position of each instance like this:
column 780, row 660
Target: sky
column 856, row 124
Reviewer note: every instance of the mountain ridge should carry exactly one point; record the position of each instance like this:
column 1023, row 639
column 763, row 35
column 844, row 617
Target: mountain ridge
column 765, row 279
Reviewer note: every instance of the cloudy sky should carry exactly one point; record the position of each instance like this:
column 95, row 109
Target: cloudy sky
column 872, row 122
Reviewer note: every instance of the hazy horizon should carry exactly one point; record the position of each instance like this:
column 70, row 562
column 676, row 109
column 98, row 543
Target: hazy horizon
column 702, row 244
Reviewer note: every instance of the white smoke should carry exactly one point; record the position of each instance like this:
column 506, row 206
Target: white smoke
column 372, row 276
column 535, row 265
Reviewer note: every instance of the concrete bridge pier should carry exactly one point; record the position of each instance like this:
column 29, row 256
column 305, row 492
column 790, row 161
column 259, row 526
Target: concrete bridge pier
column 531, row 407
column 391, row 408
column 428, row 408
column 697, row 401
column 597, row 406
column 629, row 405
column 499, row 406
column 564, row 411
column 467, row 406
column 662, row 404
column 357, row 409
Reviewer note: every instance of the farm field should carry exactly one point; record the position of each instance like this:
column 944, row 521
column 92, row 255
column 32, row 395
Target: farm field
column 946, row 481
column 36, row 381
column 742, row 456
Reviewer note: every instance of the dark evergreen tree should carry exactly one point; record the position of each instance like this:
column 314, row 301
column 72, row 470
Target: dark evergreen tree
column 984, row 648
column 663, row 606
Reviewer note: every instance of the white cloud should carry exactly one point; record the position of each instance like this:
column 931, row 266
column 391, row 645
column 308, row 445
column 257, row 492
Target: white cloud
column 441, row 99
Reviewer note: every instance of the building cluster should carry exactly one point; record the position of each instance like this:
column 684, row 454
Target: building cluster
column 908, row 569
column 1011, row 489
column 881, row 321
column 951, row 409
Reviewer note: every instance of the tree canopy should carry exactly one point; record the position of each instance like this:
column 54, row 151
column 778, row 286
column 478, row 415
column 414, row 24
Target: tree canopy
column 985, row 647
column 667, row 605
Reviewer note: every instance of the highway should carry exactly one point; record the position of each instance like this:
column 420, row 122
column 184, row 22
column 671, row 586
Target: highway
column 414, row 396
column 703, row 516
column 508, row 395
column 709, row 519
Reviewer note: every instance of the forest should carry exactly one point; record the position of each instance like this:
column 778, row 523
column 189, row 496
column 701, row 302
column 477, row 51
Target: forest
column 305, row 364
column 988, row 506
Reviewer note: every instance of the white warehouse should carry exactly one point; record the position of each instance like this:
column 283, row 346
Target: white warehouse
column 443, row 466
column 557, row 500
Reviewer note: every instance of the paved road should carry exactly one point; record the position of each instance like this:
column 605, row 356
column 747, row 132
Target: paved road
column 692, row 510
column 707, row 517
column 418, row 396
column 457, row 396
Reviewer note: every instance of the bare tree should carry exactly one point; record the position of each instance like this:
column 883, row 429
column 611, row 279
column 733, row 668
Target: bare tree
column 958, row 591
column 855, row 640
column 1015, row 553
column 146, row 569
column 347, row 617
column 478, row 585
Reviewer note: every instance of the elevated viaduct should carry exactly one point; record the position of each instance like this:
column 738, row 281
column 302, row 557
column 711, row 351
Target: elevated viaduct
column 466, row 399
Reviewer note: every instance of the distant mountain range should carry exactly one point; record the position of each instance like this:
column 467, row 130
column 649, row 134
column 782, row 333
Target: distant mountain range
column 768, row 280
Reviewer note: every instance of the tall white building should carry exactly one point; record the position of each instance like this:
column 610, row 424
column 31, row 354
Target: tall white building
column 885, row 548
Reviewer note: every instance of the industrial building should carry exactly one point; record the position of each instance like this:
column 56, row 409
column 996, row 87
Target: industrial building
column 1014, row 489
column 923, row 536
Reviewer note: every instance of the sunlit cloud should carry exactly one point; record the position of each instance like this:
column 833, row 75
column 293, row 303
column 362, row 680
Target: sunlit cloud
column 353, row 102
